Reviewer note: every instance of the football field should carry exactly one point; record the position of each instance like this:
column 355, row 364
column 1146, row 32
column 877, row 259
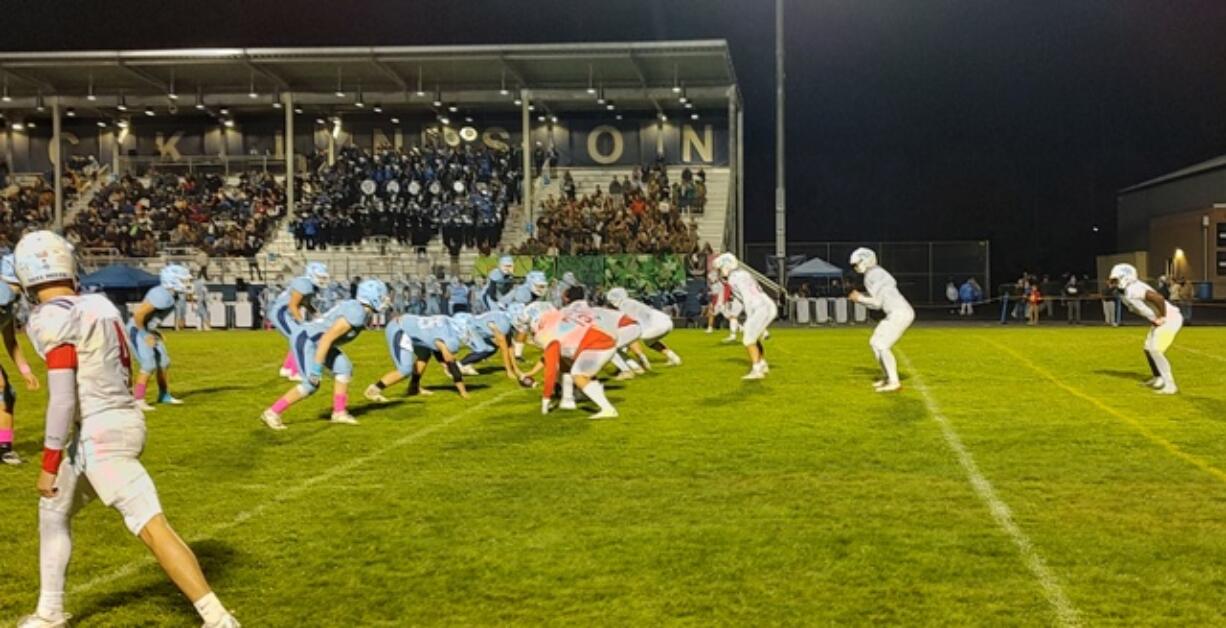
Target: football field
column 1022, row 477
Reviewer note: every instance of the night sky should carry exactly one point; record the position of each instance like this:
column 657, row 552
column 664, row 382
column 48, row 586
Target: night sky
column 907, row 119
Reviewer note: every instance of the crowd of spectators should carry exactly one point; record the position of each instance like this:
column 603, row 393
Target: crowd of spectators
column 221, row 216
column 24, row 208
column 410, row 195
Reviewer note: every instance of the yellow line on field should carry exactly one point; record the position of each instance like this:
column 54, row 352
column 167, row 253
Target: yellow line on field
column 1132, row 422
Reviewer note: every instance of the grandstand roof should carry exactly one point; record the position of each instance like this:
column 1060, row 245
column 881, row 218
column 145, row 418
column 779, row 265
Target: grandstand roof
column 1194, row 169
column 638, row 75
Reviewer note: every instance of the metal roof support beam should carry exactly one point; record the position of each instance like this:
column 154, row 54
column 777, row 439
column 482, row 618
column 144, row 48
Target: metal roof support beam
column 21, row 76
column 145, row 77
column 277, row 81
column 638, row 70
column 391, row 74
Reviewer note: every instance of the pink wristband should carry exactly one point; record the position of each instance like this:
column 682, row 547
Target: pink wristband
column 25, row 369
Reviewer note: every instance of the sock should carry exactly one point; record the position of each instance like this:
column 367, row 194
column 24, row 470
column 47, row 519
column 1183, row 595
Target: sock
column 139, row 392
column 6, row 437
column 644, row 361
column 1153, row 368
column 891, row 366
column 380, row 385
column 280, row 406
column 672, row 355
column 339, row 403
column 620, row 363
column 1164, row 367
column 568, row 387
column 290, row 364
column 595, row 392
column 54, row 552
column 519, row 349
column 210, row 609
column 733, row 327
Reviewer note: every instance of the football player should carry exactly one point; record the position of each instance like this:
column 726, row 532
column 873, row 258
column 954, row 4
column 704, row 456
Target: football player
column 1165, row 320
column 882, row 295
column 572, row 344
column 317, row 345
column 94, row 433
column 293, row 306
column 10, row 294
column 159, row 302
column 490, row 333
column 655, row 325
column 412, row 341
column 499, row 282
column 624, row 329
column 760, row 311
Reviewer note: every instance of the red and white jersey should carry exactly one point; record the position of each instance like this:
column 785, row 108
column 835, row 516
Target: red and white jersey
column 644, row 314
column 746, row 290
column 85, row 333
column 565, row 335
column 602, row 318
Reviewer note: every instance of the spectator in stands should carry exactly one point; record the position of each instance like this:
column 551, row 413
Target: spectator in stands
column 569, row 190
column 24, row 208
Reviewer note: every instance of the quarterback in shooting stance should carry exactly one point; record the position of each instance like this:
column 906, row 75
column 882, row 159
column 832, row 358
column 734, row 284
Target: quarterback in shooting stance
column 317, row 345
column 94, row 432
column 412, row 341
column 882, row 295
column 655, row 325
column 158, row 304
column 10, row 292
column 1165, row 318
column 293, row 306
column 760, row 311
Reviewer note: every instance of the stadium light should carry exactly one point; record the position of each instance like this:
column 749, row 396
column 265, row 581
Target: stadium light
column 19, row 126
column 70, row 112
column 122, row 123
column 90, row 94
column 676, row 82
column 591, row 74
column 224, row 111
column 101, row 124
column 468, row 119
column 694, row 116
column 618, row 117
column 395, row 120
column 452, row 108
column 600, row 99
column 298, row 110
column 553, row 119
column 229, row 122
column 251, row 93
column 38, row 102
column 276, row 99
column 30, row 124
column 504, row 91
column 377, row 109
column 518, row 101
column 320, row 121
column 684, row 97
column 123, row 104
column 5, row 97
column 540, row 118
column 149, row 111
column 689, row 105
column 340, row 87
column 609, row 106
column 360, row 103
column 445, row 120
column 171, row 94
column 199, row 98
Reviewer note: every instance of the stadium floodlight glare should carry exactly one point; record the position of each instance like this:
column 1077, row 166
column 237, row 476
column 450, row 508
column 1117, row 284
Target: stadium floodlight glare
column 591, row 75
column 229, row 122
column 395, row 120
column 320, row 121
column 70, row 112
column 30, row 124
column 19, row 126
column 123, row 104
column 199, row 99
column 468, row 119
column 445, row 120
column 540, row 118
column 377, row 109
column 694, row 116
column 276, row 99
column 618, row 116
column 38, row 103
column 170, row 93
column 531, row 107
column 298, row 110
column 340, row 86
column 90, row 94
column 224, row 111
column 452, row 108
column 663, row 118
column 101, row 124
column 438, row 96
column 518, row 102
column 689, row 105
column 600, row 99
column 553, row 119
column 360, row 103
column 149, row 111
column 122, row 123
column 609, row 106
column 504, row 91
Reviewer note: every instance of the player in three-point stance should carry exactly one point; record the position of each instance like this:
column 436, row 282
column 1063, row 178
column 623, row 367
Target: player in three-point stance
column 882, row 295
column 491, row 333
column 655, row 326
column 571, row 343
column 1165, row 318
column 10, row 293
column 317, row 345
column 293, row 306
column 158, row 303
column 412, row 341
column 81, row 338
column 760, row 311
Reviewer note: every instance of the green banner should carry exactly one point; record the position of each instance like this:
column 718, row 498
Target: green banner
column 640, row 274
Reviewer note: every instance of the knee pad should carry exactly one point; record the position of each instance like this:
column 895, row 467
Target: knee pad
column 138, row 503
column 306, row 388
column 342, row 367
column 344, row 379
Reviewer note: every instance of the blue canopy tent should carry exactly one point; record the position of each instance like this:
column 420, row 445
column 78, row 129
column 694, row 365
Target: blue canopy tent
column 816, row 268
column 119, row 277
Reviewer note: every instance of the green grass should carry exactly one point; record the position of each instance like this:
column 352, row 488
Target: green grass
column 803, row 499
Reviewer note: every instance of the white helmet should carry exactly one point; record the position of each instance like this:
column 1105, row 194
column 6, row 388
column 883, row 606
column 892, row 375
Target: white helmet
column 42, row 257
column 863, row 259
column 8, row 269
column 726, row 263
column 317, row 273
column 617, row 296
column 1123, row 275
column 175, row 278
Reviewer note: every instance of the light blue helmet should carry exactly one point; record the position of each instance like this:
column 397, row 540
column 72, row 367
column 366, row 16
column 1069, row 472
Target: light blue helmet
column 8, row 269
column 537, row 283
column 176, row 278
column 569, row 279
column 506, row 264
column 373, row 294
column 317, row 273
column 531, row 314
column 463, row 324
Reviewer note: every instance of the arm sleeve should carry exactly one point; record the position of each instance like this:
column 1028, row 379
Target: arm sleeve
column 553, row 360
column 61, row 404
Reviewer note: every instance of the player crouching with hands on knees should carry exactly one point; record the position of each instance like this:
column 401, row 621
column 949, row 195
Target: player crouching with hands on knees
column 1166, row 320
column 10, row 293
column 412, row 340
column 760, row 311
column 82, row 340
column 882, row 295
column 317, row 345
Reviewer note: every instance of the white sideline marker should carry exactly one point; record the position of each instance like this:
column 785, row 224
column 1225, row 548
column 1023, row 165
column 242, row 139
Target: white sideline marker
column 1202, row 354
column 292, row 492
column 1066, row 614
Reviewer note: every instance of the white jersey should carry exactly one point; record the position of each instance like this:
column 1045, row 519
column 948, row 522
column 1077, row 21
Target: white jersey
column 745, row 289
column 883, row 293
column 93, row 327
column 1134, row 298
column 646, row 315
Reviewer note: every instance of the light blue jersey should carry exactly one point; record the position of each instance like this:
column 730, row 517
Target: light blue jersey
column 163, row 302
column 8, row 304
column 303, row 342
column 280, row 315
column 410, row 338
column 488, row 325
column 521, row 294
column 349, row 310
column 497, row 286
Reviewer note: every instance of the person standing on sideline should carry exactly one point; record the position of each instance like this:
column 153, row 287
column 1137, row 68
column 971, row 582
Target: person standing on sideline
column 1072, row 299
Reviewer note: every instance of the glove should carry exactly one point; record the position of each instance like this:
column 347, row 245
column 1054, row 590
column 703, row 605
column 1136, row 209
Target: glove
column 315, row 374
column 544, row 406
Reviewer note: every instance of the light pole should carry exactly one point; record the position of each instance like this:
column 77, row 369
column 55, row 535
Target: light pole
column 781, row 227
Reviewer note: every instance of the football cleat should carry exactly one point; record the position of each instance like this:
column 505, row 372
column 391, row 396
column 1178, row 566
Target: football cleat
column 373, row 393
column 879, row 383
column 272, row 420
column 729, row 338
column 170, row 400
column 604, row 414
column 755, row 373
column 10, row 458
column 766, row 368
column 38, row 621
column 467, row 369
column 226, row 622
column 710, row 330
column 1157, row 383
column 144, row 406
column 1169, row 389
column 567, row 404
column 674, row 360
column 343, row 418
column 890, row 387
column 284, row 372
column 624, row 376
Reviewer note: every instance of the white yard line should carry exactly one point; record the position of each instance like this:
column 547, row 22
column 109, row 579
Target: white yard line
column 1203, row 354
column 294, row 491
column 1066, row 614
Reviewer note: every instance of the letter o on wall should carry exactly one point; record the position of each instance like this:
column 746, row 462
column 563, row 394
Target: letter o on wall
column 593, row 145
